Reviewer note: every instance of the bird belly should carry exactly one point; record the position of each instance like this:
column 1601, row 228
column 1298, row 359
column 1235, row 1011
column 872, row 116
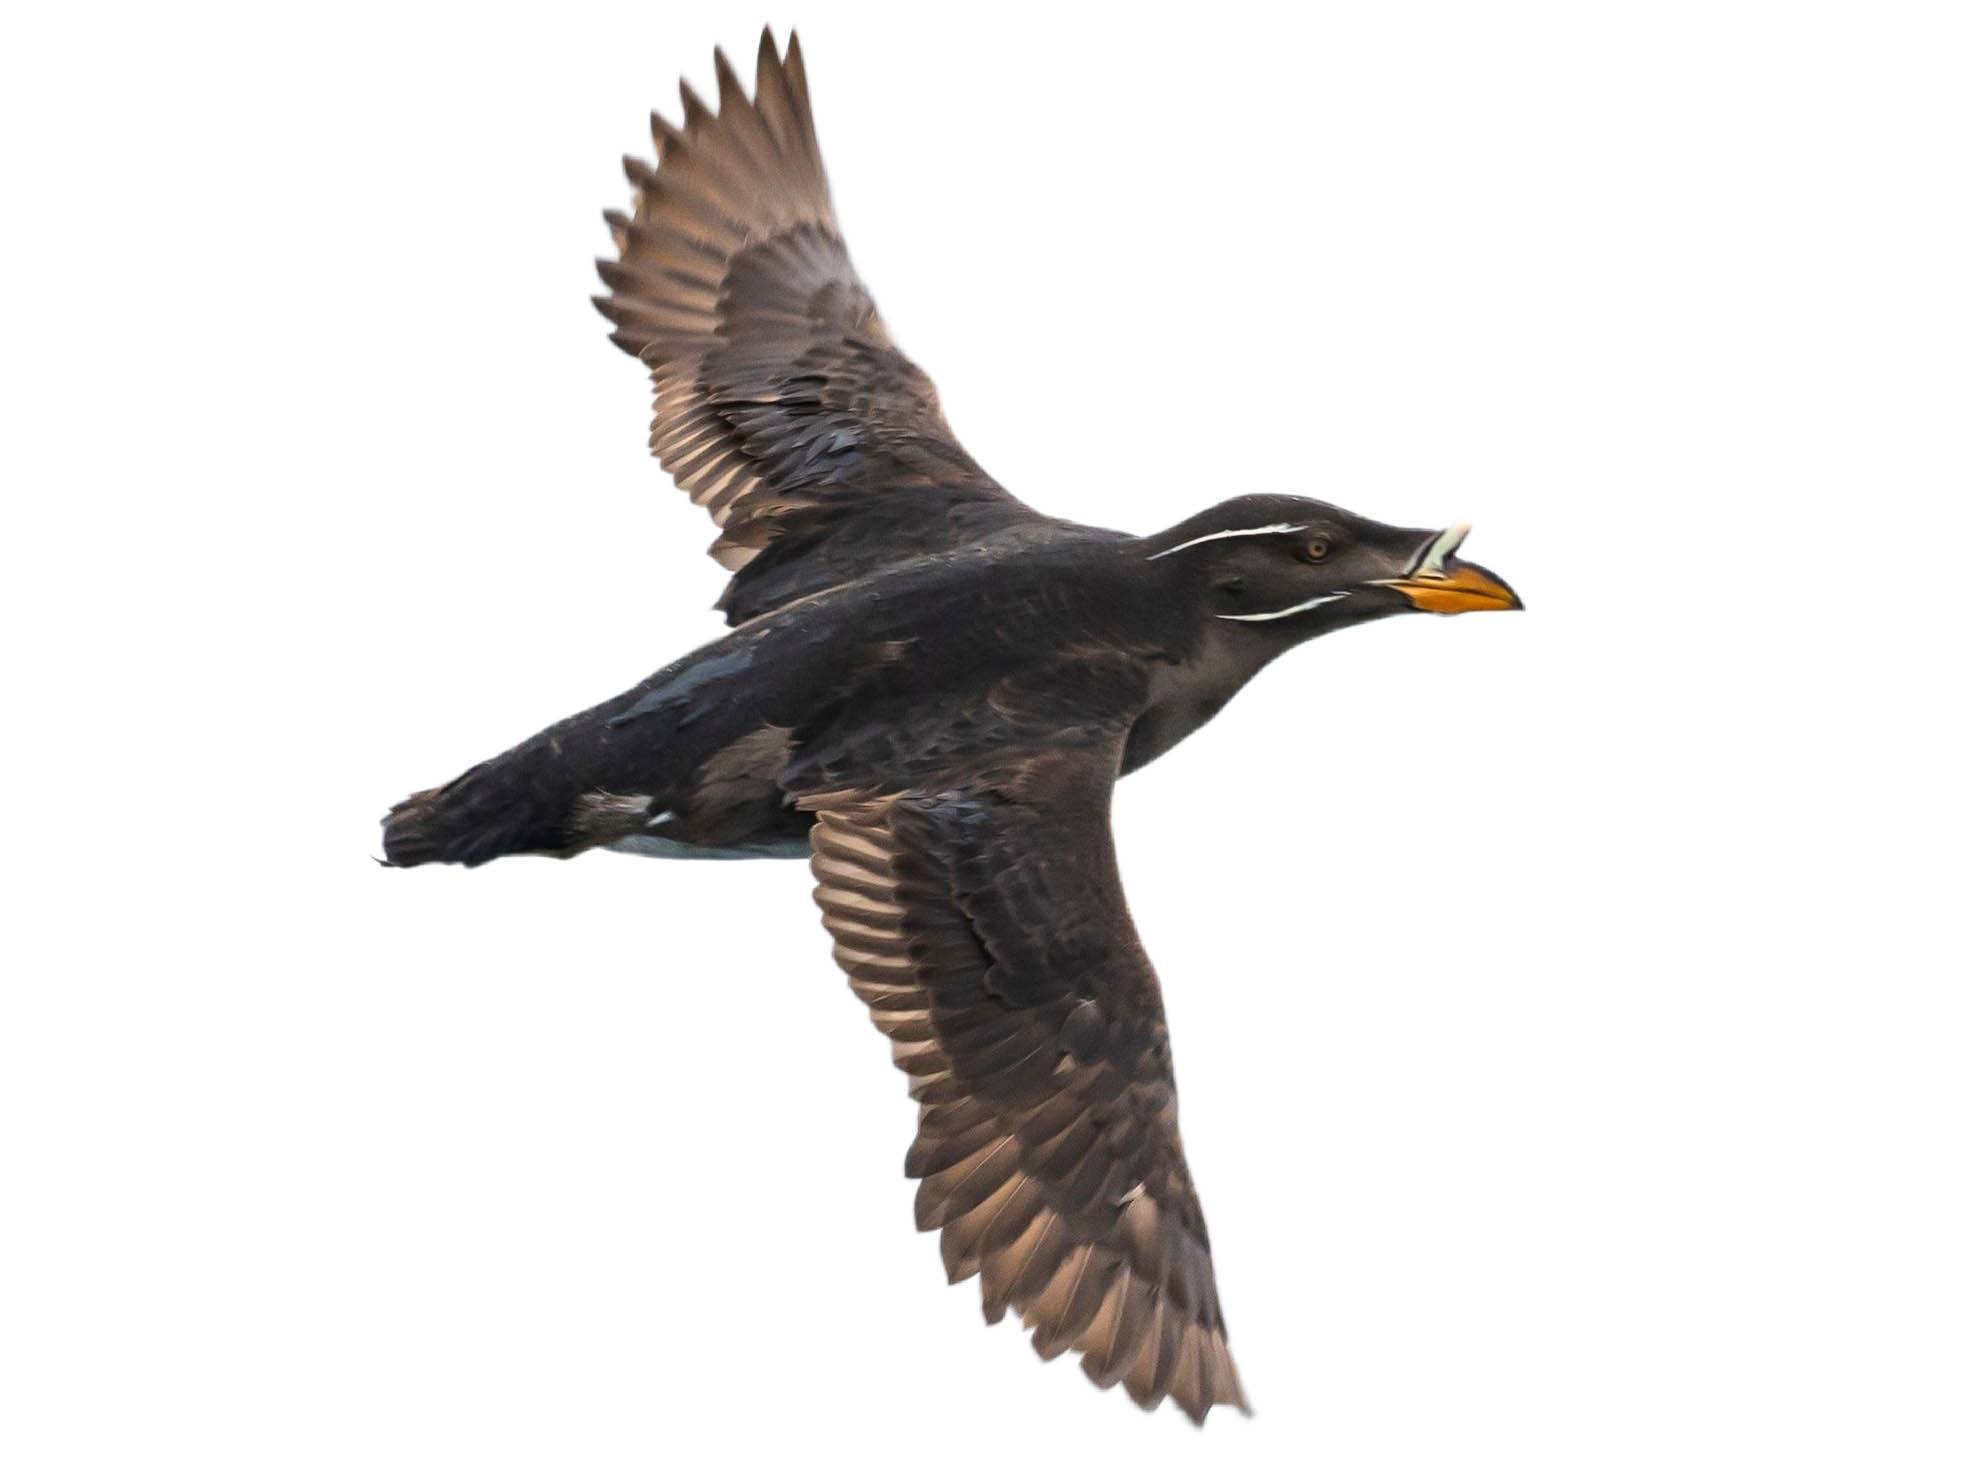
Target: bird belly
column 730, row 807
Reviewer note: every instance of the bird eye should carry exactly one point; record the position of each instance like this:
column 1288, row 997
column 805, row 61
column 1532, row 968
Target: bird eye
column 1314, row 551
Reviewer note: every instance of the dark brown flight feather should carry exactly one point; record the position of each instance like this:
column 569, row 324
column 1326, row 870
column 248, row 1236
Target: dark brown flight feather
column 981, row 920
column 782, row 406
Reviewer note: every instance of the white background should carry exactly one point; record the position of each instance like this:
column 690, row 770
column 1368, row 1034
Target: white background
column 1567, row 1006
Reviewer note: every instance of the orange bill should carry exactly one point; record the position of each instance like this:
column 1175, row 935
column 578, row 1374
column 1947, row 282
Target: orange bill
column 1440, row 583
column 1460, row 590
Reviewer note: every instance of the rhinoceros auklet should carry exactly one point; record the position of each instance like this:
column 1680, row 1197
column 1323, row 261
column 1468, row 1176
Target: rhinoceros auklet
column 930, row 688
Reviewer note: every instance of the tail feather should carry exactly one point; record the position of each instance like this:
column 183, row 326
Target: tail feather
column 581, row 782
column 488, row 811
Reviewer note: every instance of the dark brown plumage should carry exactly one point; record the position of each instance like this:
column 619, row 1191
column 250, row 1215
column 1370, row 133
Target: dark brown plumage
column 931, row 689
column 782, row 406
column 982, row 922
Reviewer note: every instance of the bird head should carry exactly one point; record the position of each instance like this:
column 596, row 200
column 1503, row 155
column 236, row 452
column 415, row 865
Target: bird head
column 1292, row 567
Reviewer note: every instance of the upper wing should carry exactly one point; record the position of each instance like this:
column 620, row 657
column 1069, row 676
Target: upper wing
column 981, row 918
column 781, row 404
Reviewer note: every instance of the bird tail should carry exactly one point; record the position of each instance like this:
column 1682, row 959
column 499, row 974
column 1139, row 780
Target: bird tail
column 486, row 811
column 550, row 795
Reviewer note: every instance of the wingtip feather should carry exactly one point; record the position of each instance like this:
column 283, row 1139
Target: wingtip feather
column 696, row 113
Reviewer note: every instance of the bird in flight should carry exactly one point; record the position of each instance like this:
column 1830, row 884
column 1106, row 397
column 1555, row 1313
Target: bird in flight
column 929, row 689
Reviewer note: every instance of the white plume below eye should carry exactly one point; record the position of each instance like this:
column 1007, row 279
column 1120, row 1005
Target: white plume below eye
column 1293, row 609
